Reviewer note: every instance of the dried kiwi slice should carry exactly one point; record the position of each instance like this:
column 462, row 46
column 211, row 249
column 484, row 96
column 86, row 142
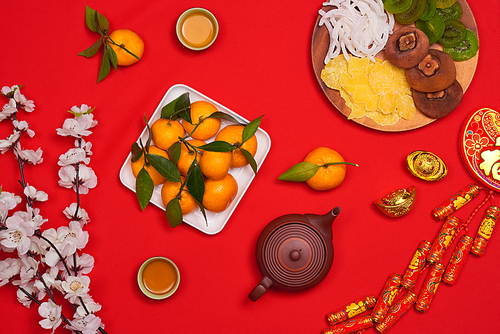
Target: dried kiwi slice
column 433, row 28
column 445, row 3
column 396, row 6
column 454, row 12
column 466, row 49
column 413, row 13
column 430, row 9
column 454, row 33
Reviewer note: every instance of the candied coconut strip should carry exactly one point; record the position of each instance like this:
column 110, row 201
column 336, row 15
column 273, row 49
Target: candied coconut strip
column 357, row 27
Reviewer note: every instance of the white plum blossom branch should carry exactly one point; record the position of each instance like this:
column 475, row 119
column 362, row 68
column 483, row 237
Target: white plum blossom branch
column 54, row 250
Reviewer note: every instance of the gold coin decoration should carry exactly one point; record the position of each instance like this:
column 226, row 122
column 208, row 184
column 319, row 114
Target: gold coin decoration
column 398, row 203
column 426, row 166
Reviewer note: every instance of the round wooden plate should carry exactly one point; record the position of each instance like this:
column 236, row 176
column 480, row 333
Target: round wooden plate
column 319, row 47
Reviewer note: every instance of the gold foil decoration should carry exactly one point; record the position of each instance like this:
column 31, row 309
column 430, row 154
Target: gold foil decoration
column 426, row 165
column 398, row 203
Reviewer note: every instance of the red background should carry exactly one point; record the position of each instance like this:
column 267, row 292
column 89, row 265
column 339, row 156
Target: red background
column 260, row 64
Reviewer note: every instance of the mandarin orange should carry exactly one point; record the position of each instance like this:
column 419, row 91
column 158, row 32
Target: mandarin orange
column 170, row 190
column 219, row 194
column 129, row 40
column 233, row 134
column 153, row 173
column 328, row 177
column 215, row 165
column 208, row 127
column 166, row 132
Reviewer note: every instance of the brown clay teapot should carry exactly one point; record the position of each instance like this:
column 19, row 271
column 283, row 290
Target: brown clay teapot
column 295, row 252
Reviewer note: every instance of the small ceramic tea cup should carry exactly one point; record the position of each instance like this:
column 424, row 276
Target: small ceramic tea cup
column 158, row 277
column 197, row 28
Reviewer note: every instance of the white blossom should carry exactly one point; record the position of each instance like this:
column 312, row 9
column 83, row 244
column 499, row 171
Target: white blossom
column 83, row 109
column 88, row 325
column 6, row 90
column 87, row 146
column 31, row 216
column 9, row 268
column 17, row 234
column 90, row 305
column 86, row 178
column 38, row 247
column 23, row 126
column 73, row 235
column 9, row 142
column 8, row 201
column 82, row 216
column 51, row 312
column 23, row 102
column 67, row 240
column 23, row 298
column 8, row 110
column 29, row 156
column 51, row 257
column 73, row 156
column 49, row 282
column 84, row 265
column 35, row 195
column 78, row 126
column 29, row 268
column 75, row 287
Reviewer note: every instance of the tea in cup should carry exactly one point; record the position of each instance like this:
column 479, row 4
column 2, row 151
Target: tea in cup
column 158, row 277
column 197, row 29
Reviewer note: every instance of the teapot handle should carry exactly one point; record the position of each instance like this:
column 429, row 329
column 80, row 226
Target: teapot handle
column 260, row 289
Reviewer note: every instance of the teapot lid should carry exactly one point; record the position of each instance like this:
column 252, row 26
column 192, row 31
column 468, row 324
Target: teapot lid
column 294, row 254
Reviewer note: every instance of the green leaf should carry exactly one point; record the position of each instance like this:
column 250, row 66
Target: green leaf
column 92, row 50
column 250, row 159
column 136, row 152
column 195, row 181
column 174, row 212
column 105, row 67
column 218, row 146
column 144, row 188
column 88, row 112
column 224, row 116
column 250, row 129
column 202, row 208
column 112, row 57
column 165, row 167
column 100, row 23
column 174, row 152
column 302, row 171
column 181, row 106
column 89, row 18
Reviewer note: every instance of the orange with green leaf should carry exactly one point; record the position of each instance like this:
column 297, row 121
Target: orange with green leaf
column 322, row 169
column 122, row 47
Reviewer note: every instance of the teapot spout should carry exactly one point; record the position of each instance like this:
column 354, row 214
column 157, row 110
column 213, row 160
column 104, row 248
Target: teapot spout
column 324, row 222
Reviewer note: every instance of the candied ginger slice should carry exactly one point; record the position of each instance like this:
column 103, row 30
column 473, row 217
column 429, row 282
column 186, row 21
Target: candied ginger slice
column 406, row 107
column 332, row 71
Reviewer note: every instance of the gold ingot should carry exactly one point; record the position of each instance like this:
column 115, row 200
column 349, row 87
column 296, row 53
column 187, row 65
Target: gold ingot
column 426, row 165
column 398, row 203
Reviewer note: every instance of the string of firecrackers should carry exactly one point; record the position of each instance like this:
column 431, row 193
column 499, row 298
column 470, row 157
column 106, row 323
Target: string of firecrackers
column 398, row 294
column 46, row 261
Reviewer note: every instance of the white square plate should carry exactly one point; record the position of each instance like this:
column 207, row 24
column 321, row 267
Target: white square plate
column 244, row 175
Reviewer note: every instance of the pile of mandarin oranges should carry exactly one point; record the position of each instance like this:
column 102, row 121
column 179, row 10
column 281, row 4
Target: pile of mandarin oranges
column 220, row 186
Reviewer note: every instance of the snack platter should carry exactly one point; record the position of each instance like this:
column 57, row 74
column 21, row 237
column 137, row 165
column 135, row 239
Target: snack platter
column 244, row 176
column 319, row 47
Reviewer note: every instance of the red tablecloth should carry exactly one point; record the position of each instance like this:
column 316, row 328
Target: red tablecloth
column 259, row 65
